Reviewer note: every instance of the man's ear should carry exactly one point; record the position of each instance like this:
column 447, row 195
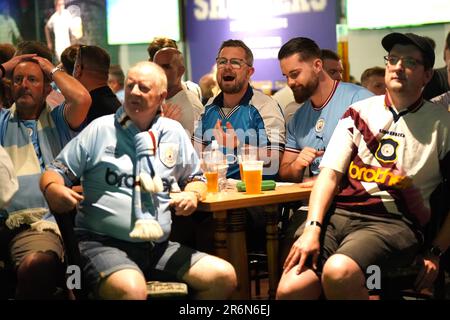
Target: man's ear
column 181, row 70
column 251, row 71
column 163, row 96
column 318, row 65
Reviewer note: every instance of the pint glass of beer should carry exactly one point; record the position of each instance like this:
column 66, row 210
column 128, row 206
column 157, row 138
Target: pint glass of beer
column 210, row 166
column 247, row 153
column 253, row 175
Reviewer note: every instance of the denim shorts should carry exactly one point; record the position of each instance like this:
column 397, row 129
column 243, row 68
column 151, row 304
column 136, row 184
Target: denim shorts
column 368, row 240
column 102, row 255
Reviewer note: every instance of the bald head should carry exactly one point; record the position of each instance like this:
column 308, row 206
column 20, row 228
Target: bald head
column 149, row 71
column 145, row 91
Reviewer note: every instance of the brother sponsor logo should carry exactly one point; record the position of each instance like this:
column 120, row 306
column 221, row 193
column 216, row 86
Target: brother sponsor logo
column 119, row 180
column 378, row 175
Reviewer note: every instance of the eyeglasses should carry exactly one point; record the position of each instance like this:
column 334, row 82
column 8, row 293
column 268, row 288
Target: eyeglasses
column 234, row 62
column 408, row 62
column 80, row 54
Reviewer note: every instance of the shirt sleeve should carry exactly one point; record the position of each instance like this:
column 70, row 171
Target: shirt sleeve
column 291, row 141
column 361, row 94
column 199, row 131
column 50, row 22
column 72, row 160
column 340, row 148
column 272, row 123
column 191, row 163
column 65, row 132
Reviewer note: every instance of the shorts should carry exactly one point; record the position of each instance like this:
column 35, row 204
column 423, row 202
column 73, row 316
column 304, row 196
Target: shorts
column 17, row 243
column 368, row 240
column 102, row 256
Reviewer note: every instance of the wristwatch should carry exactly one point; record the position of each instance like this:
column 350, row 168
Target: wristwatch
column 55, row 69
column 436, row 251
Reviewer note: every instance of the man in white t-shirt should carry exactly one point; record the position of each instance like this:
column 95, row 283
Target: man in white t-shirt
column 181, row 104
column 59, row 23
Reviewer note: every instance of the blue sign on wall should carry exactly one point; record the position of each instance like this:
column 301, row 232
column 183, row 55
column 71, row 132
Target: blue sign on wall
column 264, row 25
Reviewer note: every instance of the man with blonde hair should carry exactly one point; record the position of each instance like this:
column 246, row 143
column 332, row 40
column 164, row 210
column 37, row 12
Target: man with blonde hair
column 190, row 107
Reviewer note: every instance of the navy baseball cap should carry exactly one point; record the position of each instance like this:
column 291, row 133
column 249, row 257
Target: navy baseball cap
column 421, row 43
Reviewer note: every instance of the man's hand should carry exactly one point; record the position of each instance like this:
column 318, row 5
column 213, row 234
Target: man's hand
column 307, row 245
column 14, row 61
column 307, row 182
column 307, row 156
column 185, row 202
column 229, row 138
column 172, row 111
column 428, row 273
column 45, row 65
column 61, row 199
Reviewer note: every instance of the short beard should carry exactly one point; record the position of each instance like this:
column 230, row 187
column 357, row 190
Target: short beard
column 236, row 88
column 303, row 93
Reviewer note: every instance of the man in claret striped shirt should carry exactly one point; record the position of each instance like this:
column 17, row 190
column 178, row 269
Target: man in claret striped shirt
column 387, row 154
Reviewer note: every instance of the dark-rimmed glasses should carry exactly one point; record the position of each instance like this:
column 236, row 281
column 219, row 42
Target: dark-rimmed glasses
column 408, row 62
column 79, row 56
column 235, row 63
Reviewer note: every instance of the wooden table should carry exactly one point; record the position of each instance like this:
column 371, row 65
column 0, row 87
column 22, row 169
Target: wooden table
column 229, row 236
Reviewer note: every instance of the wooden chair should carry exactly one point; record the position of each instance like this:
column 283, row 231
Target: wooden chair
column 399, row 283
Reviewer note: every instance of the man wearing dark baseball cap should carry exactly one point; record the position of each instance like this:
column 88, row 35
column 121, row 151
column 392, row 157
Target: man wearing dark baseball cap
column 387, row 155
column 421, row 43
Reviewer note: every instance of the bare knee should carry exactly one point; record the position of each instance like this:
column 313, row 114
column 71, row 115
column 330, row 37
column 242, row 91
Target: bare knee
column 125, row 284
column 285, row 290
column 211, row 278
column 40, row 262
column 38, row 275
column 305, row 286
column 342, row 276
column 224, row 279
column 337, row 269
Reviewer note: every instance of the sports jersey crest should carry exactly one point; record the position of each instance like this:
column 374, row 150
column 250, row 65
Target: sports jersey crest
column 168, row 153
column 387, row 150
column 320, row 124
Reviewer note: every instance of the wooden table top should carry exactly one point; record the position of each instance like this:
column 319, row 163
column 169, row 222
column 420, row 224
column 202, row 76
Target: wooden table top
column 232, row 199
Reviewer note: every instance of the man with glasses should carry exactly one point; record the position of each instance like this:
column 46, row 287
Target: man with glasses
column 91, row 68
column 386, row 156
column 240, row 115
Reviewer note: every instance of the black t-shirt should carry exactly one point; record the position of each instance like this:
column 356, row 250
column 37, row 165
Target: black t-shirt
column 104, row 102
column 437, row 85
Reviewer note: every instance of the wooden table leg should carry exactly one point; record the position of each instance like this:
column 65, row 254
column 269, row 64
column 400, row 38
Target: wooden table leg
column 220, row 234
column 271, row 215
column 237, row 249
